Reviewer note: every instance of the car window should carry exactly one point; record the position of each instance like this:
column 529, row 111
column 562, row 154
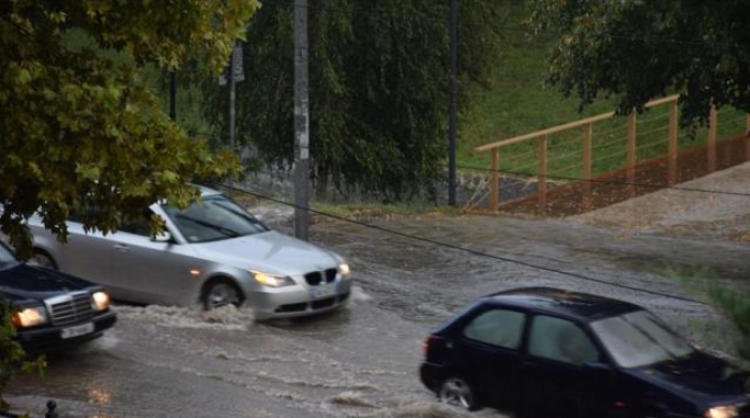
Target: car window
column 140, row 226
column 561, row 340
column 6, row 255
column 499, row 327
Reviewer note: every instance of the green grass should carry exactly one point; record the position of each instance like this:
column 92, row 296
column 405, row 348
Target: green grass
column 518, row 102
column 375, row 210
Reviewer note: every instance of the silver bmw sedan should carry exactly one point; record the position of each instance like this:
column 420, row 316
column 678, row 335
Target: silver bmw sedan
column 214, row 253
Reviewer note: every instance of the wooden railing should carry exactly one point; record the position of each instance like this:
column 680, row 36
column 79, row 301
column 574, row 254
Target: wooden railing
column 587, row 153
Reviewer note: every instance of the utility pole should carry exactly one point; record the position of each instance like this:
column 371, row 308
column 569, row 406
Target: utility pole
column 233, row 74
column 301, row 123
column 232, row 96
column 173, row 95
column 453, row 108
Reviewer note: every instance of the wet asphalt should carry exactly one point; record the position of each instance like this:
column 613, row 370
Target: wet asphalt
column 362, row 361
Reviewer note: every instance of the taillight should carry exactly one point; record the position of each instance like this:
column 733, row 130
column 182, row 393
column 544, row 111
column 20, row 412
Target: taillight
column 430, row 342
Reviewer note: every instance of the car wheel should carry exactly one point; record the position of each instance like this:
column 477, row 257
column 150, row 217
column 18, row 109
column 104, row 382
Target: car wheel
column 42, row 259
column 220, row 293
column 457, row 392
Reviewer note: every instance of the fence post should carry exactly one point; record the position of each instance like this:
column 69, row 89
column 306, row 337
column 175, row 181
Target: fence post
column 672, row 175
column 631, row 146
column 587, row 148
column 712, row 126
column 542, row 175
column 495, row 179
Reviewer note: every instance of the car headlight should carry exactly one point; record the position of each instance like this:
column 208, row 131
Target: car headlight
column 722, row 412
column 344, row 270
column 272, row 280
column 30, row 316
column 101, row 300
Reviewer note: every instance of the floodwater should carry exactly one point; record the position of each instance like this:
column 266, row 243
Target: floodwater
column 361, row 361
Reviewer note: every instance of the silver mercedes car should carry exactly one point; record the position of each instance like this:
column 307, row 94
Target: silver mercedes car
column 214, row 252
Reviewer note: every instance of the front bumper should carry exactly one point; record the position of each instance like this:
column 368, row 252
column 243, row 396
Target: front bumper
column 296, row 301
column 48, row 338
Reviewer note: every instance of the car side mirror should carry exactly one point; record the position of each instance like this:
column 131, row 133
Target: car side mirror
column 163, row 236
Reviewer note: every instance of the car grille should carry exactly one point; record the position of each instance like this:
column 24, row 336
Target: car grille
column 316, row 277
column 70, row 308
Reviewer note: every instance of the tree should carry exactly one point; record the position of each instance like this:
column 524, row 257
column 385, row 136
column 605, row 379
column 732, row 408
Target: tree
column 639, row 50
column 635, row 51
column 79, row 127
column 378, row 87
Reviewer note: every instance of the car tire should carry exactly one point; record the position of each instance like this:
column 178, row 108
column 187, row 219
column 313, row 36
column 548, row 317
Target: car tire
column 458, row 392
column 221, row 292
column 42, row 259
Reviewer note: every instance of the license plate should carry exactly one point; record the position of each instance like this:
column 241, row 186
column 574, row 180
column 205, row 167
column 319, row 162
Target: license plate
column 77, row 331
column 323, row 291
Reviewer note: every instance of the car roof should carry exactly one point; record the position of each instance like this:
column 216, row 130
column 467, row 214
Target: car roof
column 582, row 306
column 205, row 191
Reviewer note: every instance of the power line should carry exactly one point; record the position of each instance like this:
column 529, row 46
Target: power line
column 464, row 249
column 615, row 182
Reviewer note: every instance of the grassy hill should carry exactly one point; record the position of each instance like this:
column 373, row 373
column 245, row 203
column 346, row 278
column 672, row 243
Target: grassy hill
column 517, row 101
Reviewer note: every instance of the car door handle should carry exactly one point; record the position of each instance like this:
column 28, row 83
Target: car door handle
column 121, row 247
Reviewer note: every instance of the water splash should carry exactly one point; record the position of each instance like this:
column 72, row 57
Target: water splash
column 428, row 410
column 359, row 295
column 351, row 398
column 224, row 318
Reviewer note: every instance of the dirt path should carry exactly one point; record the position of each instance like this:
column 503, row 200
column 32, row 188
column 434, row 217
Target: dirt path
column 719, row 211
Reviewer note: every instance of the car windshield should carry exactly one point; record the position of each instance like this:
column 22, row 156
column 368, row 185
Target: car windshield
column 6, row 256
column 639, row 339
column 216, row 217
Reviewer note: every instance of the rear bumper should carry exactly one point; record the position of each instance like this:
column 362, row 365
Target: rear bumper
column 49, row 338
column 431, row 375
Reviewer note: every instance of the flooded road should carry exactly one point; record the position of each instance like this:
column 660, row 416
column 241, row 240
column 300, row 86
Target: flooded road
column 361, row 361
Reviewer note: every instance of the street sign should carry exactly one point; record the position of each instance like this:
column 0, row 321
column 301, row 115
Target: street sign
column 236, row 65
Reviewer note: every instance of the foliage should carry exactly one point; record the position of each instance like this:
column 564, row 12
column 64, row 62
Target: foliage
column 734, row 305
column 13, row 355
column 730, row 297
column 79, row 126
column 638, row 50
column 378, row 87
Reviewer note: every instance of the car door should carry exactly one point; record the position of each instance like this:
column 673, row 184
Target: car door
column 152, row 271
column 565, row 373
column 489, row 349
column 86, row 254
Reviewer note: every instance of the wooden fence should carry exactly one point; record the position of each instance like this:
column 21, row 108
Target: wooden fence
column 586, row 149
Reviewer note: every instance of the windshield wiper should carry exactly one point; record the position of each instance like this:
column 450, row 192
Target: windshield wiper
column 240, row 214
column 226, row 231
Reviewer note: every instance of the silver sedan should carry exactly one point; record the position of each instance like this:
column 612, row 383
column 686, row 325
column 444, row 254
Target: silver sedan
column 214, row 253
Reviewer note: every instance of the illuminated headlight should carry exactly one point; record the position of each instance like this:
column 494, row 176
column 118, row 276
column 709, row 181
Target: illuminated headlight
column 722, row 412
column 101, row 301
column 271, row 279
column 30, row 317
column 344, row 270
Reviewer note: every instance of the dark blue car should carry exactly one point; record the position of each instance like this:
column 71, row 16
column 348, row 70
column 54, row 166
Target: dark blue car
column 53, row 310
column 551, row 353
